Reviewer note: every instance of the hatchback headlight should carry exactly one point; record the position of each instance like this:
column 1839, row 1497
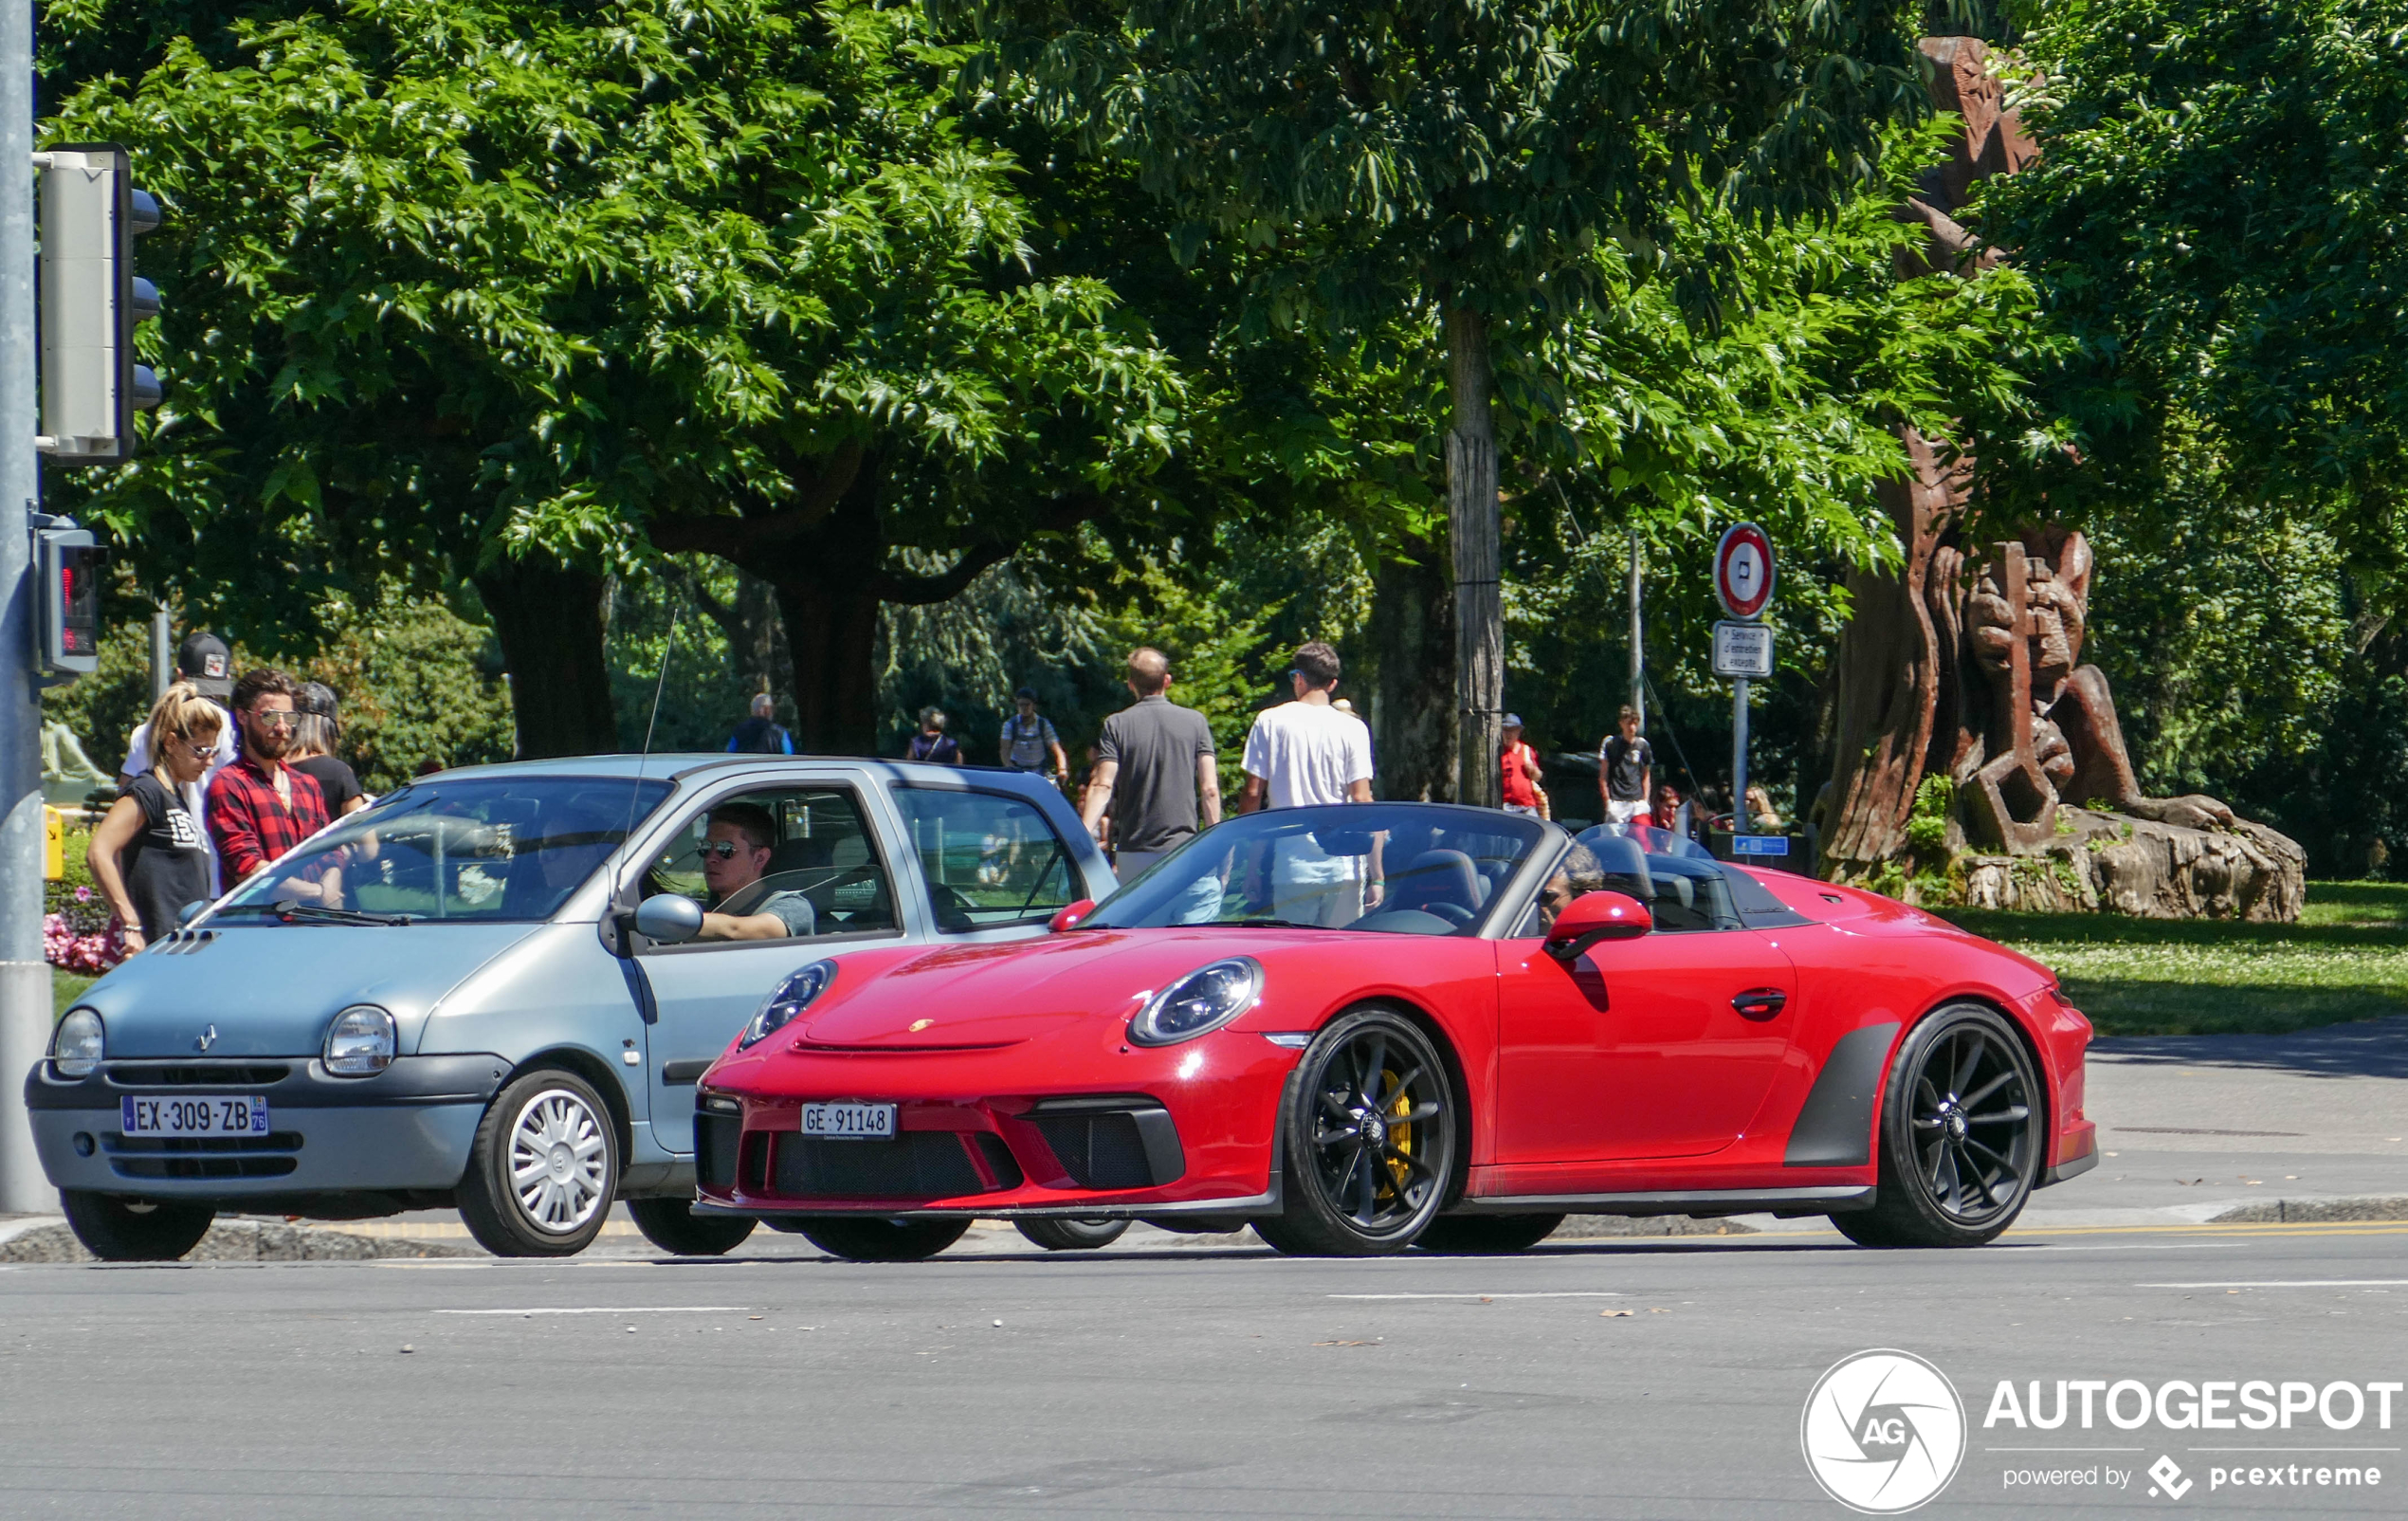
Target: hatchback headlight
column 789, row 998
column 361, row 1042
column 75, row 1046
column 1201, row 1001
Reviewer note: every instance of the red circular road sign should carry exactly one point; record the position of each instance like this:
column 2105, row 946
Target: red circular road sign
column 1744, row 570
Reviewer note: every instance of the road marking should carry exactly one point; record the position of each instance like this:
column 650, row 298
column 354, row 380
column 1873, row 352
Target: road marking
column 1578, row 1293
column 2228, row 1228
column 2068, row 1449
column 2290, row 1283
column 606, row 1310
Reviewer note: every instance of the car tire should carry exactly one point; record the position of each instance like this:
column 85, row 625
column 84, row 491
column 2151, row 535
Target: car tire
column 872, row 1240
column 672, row 1225
column 134, row 1230
column 1058, row 1235
column 1368, row 1132
column 543, row 1169
column 1963, row 1135
column 1486, row 1235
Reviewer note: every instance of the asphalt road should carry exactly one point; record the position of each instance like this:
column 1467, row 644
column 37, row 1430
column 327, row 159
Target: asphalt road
column 1613, row 1378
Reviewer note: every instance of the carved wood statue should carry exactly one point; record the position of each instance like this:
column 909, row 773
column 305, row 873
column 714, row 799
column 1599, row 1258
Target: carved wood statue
column 1974, row 672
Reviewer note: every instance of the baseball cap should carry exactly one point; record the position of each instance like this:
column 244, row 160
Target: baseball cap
column 204, row 660
column 316, row 697
column 1512, row 720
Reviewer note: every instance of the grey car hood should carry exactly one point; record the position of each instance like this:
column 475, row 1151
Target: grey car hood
column 272, row 990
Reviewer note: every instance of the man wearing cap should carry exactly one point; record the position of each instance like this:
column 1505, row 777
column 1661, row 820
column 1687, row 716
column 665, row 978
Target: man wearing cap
column 203, row 660
column 1522, row 773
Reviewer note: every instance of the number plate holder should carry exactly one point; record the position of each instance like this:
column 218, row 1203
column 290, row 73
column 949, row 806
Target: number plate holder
column 182, row 1114
column 849, row 1122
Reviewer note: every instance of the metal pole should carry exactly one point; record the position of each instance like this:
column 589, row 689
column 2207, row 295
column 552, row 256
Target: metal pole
column 24, row 977
column 162, row 654
column 1638, row 646
column 1739, row 756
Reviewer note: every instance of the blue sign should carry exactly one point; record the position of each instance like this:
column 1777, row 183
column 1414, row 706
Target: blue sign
column 1759, row 845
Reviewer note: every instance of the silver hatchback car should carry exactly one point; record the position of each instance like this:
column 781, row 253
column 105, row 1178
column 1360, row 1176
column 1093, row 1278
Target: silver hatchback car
column 492, row 990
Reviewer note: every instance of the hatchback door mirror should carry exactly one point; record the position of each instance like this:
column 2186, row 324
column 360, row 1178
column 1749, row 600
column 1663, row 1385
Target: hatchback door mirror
column 1593, row 917
column 190, row 911
column 668, row 919
column 1070, row 915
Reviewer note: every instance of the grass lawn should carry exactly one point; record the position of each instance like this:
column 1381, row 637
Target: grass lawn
column 65, row 987
column 2347, row 959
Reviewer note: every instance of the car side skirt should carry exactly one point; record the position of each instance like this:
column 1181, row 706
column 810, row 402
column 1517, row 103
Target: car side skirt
column 1250, row 1208
column 1825, row 1200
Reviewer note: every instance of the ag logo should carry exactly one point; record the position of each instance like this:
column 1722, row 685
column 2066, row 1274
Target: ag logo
column 1883, row 1432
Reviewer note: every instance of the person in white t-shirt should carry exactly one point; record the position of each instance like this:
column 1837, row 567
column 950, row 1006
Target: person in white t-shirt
column 1305, row 754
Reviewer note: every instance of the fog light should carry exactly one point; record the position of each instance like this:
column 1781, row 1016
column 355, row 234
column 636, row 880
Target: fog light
column 83, row 1142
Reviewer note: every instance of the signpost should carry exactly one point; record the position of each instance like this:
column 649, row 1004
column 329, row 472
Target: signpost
column 1743, row 648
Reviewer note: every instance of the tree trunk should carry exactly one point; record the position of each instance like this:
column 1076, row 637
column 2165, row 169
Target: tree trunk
column 1413, row 629
column 1472, row 519
column 549, row 620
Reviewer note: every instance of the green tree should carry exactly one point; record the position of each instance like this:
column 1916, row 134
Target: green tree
column 491, row 290
column 1460, row 160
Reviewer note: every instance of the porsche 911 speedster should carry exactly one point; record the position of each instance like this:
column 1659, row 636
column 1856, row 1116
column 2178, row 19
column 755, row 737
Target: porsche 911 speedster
column 1369, row 1027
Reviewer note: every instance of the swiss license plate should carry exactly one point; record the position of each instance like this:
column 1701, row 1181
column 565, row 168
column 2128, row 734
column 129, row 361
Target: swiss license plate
column 850, row 1122
column 195, row 1114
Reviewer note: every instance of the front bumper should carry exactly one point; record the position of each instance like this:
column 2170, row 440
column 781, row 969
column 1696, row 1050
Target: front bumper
column 405, row 1130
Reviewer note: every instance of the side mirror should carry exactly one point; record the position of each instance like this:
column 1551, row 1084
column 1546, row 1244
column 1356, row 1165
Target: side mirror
column 668, row 919
column 1593, row 917
column 1071, row 915
column 190, row 911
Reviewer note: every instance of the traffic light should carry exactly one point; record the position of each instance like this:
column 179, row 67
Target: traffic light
column 67, row 569
column 91, row 299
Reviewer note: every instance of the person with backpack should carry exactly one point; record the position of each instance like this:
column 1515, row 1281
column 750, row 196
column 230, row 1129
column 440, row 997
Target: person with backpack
column 1029, row 741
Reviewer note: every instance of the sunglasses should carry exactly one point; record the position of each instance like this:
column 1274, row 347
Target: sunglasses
column 283, row 719
column 721, row 849
column 198, row 752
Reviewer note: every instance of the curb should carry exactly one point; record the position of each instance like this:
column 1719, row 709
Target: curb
column 46, row 1240
column 2306, row 1211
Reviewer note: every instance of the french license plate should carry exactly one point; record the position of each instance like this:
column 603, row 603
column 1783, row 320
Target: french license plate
column 850, row 1122
column 196, row 1114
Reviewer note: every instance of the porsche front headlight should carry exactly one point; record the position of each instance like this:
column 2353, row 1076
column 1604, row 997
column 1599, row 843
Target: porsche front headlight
column 789, row 998
column 1200, row 1002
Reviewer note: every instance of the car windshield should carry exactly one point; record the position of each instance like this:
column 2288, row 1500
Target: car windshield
column 492, row 850
column 1405, row 868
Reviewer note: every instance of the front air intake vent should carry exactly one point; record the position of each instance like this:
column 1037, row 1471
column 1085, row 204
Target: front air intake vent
column 915, row 1164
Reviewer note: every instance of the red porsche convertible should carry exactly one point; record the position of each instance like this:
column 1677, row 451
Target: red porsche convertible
column 1366, row 1028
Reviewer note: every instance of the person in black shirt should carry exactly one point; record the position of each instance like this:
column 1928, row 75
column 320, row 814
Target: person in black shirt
column 1625, row 767
column 761, row 734
column 148, row 853
column 313, row 751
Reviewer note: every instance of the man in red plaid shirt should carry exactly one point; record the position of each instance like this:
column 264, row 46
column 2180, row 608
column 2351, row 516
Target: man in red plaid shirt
column 259, row 807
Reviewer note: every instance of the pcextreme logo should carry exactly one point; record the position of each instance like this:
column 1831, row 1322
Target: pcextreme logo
column 1883, row 1432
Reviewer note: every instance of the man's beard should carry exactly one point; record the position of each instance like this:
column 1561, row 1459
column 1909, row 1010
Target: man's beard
column 270, row 744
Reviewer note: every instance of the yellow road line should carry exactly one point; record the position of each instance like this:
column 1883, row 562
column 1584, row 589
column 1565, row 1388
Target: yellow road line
column 2233, row 1228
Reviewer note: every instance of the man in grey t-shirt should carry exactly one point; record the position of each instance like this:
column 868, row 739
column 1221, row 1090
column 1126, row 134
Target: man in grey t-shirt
column 736, row 852
column 1153, row 764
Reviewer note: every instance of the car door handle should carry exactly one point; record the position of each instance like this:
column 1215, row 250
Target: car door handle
column 1760, row 1002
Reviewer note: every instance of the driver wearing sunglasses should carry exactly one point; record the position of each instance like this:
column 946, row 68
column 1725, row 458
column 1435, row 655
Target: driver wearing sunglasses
column 735, row 854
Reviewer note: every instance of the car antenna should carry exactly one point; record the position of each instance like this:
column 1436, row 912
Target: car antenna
column 658, row 684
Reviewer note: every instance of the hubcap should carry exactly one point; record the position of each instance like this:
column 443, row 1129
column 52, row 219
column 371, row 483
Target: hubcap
column 557, row 1162
column 1379, row 1140
column 1972, row 1126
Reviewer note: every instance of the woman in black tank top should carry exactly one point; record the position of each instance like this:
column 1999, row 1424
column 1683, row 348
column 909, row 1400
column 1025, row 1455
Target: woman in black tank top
column 148, row 853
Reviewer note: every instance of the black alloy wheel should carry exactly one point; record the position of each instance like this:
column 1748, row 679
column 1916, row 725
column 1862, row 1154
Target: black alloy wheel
column 1487, row 1234
column 869, row 1238
column 1963, row 1134
column 1368, row 1132
column 1056, row 1234
column 134, row 1230
column 672, row 1225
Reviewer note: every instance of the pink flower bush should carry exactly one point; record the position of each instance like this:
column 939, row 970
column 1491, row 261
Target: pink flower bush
column 81, row 948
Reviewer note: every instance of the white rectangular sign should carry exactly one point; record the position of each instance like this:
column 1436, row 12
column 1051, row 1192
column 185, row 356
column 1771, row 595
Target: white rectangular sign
column 1742, row 650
